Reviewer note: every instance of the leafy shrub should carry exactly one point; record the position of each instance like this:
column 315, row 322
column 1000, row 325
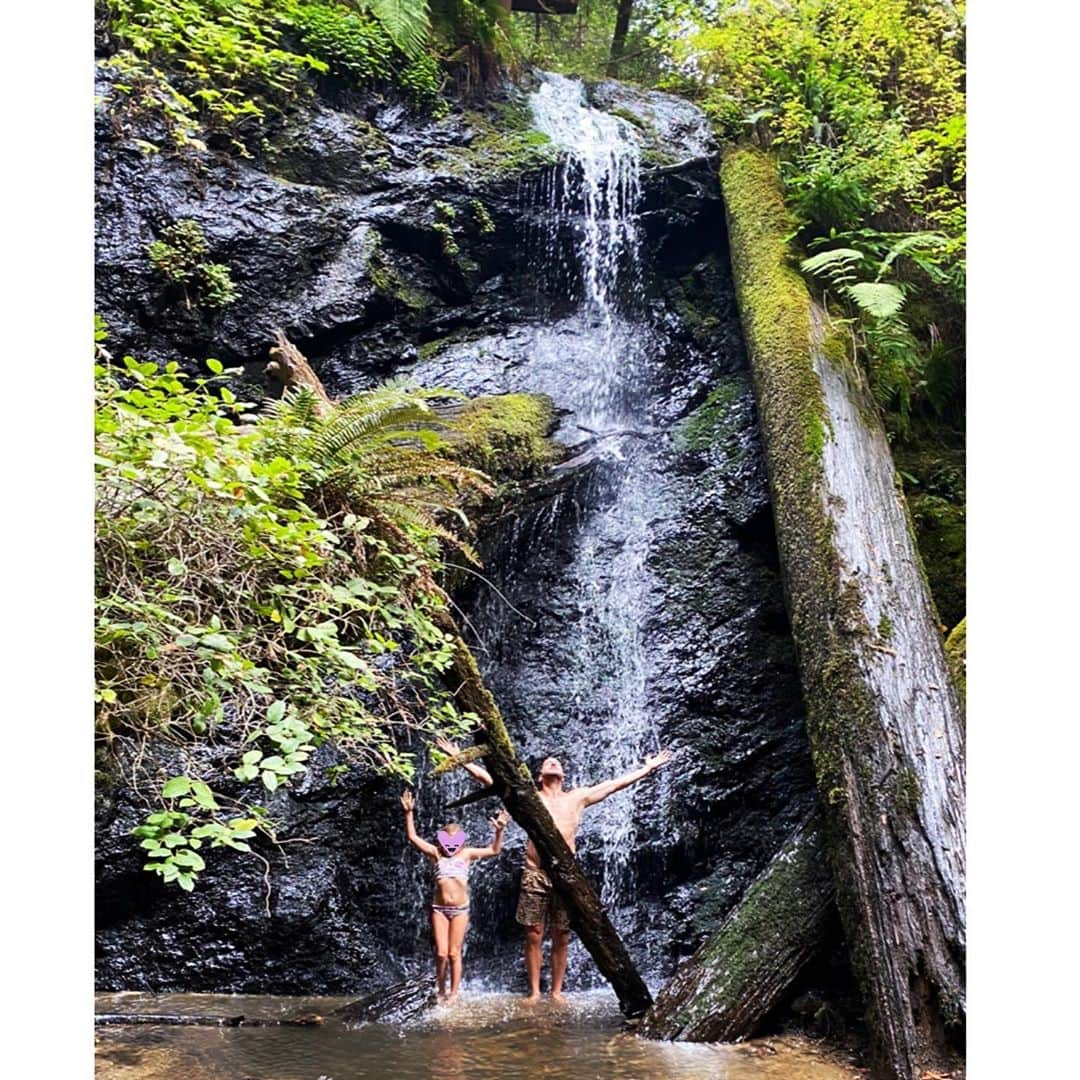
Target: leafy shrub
column 863, row 103
column 224, row 69
column 267, row 585
column 213, row 64
column 351, row 44
column 179, row 255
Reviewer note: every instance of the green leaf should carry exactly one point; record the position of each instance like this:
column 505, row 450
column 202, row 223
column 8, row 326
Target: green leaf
column 177, row 568
column 270, row 780
column 190, row 858
column 185, row 881
column 178, row 785
column 275, row 712
column 203, row 795
column 218, row 642
column 252, row 756
column 216, row 366
column 406, row 22
column 877, row 298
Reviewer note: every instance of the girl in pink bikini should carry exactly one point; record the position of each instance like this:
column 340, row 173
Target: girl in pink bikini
column 450, row 908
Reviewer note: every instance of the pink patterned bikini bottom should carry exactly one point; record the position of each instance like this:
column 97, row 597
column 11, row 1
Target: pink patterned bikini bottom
column 450, row 910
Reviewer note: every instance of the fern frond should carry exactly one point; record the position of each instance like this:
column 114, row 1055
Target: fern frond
column 880, row 299
column 406, row 22
column 837, row 265
column 913, row 245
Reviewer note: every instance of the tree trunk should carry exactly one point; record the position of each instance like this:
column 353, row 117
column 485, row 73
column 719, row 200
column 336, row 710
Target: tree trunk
column 516, row 788
column 740, row 972
column 618, row 39
column 883, row 716
column 290, row 367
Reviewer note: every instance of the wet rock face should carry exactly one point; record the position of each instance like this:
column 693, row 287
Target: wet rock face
column 336, row 918
column 332, row 237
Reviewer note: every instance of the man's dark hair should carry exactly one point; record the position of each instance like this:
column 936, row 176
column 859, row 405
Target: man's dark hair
column 539, row 759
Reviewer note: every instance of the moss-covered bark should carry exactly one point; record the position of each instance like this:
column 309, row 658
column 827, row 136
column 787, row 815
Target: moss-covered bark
column 956, row 653
column 882, row 715
column 741, row 971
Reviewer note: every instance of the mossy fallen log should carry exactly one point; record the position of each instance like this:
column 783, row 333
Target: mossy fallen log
column 883, row 716
column 721, row 992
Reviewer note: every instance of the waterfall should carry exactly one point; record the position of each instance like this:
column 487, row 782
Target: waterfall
column 595, row 713
column 628, row 612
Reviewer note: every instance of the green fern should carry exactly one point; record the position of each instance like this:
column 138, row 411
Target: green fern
column 878, row 299
column 376, row 455
column 406, row 21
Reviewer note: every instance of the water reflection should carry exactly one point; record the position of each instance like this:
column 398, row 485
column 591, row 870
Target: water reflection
column 483, row 1037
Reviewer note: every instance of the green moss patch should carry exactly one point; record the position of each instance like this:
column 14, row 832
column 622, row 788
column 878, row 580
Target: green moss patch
column 956, row 654
column 506, row 436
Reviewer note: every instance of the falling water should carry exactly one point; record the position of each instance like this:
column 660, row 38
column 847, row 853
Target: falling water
column 569, row 638
column 597, row 363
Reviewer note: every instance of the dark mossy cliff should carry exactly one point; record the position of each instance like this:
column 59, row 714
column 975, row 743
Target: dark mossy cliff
column 383, row 242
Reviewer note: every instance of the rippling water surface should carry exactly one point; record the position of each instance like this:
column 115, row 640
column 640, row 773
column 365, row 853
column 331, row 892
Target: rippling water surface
column 482, row 1036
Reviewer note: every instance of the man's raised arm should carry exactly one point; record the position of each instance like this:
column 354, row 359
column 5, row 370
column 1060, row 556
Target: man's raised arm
column 598, row 792
column 477, row 772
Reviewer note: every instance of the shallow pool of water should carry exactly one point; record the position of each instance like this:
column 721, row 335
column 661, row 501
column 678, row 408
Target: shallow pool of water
column 482, row 1036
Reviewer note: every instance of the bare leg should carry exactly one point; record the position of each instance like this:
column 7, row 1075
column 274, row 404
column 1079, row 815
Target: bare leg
column 440, row 931
column 458, row 925
column 560, row 950
column 534, row 936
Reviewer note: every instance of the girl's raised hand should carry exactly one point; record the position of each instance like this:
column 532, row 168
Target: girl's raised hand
column 500, row 819
column 447, row 747
column 407, row 800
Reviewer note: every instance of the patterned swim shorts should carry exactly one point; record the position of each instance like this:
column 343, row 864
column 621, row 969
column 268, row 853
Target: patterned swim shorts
column 539, row 900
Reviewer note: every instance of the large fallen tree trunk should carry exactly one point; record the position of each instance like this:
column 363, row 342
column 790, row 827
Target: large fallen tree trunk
column 514, row 785
column 721, row 992
column 883, row 716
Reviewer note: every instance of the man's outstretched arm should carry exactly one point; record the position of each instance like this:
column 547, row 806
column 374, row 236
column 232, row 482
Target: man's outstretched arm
column 598, row 792
column 477, row 772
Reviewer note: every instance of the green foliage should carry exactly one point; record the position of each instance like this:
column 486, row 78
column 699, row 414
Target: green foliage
column 405, row 21
column 179, row 255
column 267, row 585
column 351, row 44
column 481, row 218
column 446, row 239
column 375, row 46
column 580, row 44
column 224, row 70
column 205, row 66
column 863, row 103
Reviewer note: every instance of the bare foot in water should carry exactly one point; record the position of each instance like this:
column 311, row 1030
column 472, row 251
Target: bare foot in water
column 452, row 999
column 533, row 998
column 557, row 995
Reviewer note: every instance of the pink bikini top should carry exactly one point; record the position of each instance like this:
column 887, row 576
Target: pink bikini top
column 455, row 867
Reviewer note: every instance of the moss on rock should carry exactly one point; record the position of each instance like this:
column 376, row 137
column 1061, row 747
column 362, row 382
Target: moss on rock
column 506, row 436
column 941, row 531
column 504, row 142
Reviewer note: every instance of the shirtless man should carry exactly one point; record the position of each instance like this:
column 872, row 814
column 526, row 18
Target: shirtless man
column 539, row 899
